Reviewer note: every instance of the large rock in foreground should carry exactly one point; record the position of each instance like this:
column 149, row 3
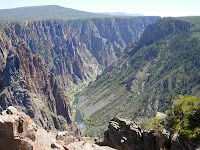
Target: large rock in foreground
column 19, row 132
column 126, row 135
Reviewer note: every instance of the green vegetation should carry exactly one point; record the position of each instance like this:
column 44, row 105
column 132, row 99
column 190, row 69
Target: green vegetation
column 89, row 122
column 161, row 65
column 154, row 123
column 193, row 19
column 184, row 116
column 71, row 97
column 71, row 100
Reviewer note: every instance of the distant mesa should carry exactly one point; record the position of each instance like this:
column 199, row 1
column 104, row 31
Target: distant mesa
column 45, row 12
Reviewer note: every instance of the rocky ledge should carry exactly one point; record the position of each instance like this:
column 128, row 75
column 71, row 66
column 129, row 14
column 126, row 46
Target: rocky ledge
column 127, row 135
column 19, row 132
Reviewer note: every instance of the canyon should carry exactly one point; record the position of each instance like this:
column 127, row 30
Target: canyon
column 78, row 50
column 158, row 67
column 108, row 66
column 43, row 60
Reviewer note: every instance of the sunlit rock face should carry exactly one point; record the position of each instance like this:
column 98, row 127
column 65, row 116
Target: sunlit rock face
column 18, row 131
column 27, row 83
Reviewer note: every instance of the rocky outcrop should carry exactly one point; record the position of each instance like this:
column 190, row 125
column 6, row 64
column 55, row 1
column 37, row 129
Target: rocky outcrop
column 19, row 132
column 125, row 134
column 74, row 49
column 27, row 84
column 181, row 142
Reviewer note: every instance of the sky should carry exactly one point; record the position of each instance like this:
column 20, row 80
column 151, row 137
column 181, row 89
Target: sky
column 162, row 8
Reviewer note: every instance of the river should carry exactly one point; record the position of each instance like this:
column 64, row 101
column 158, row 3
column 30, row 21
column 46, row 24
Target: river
column 78, row 116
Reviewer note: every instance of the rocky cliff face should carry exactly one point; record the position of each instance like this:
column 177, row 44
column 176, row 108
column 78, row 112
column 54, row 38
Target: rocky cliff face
column 125, row 134
column 27, row 83
column 74, row 49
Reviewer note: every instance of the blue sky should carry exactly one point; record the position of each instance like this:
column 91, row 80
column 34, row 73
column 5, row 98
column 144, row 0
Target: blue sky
column 145, row 7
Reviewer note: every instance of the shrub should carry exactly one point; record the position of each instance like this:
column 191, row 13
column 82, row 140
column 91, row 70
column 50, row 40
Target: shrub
column 184, row 116
column 154, row 123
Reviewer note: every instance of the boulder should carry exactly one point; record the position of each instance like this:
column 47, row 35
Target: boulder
column 125, row 134
column 19, row 132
